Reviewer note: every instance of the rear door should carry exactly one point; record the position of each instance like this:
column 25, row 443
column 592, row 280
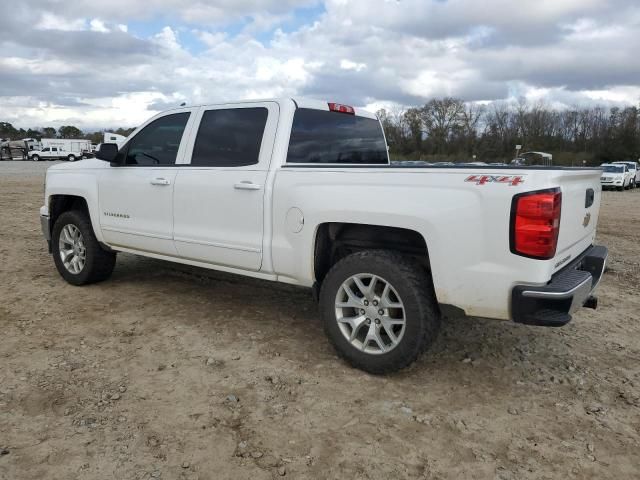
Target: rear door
column 136, row 196
column 219, row 195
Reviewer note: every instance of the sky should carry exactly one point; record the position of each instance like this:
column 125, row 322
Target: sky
column 115, row 63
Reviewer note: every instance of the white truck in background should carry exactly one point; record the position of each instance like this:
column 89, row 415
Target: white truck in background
column 110, row 137
column 70, row 149
column 302, row 192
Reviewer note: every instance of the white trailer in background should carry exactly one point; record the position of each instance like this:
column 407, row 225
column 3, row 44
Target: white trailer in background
column 110, row 137
column 72, row 146
column 17, row 149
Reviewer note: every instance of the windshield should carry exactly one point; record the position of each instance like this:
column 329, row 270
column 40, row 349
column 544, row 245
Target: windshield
column 613, row 168
column 630, row 166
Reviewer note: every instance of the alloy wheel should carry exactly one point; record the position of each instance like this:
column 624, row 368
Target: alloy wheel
column 370, row 313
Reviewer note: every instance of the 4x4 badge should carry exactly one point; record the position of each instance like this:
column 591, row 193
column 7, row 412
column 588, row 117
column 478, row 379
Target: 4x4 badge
column 512, row 180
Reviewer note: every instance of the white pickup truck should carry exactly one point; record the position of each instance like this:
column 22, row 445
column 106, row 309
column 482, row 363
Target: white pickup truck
column 54, row 153
column 302, row 192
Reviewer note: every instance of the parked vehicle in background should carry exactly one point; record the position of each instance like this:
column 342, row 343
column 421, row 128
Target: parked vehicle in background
column 75, row 148
column 302, row 192
column 31, row 143
column 614, row 176
column 634, row 172
column 51, row 153
column 110, row 137
column 17, row 149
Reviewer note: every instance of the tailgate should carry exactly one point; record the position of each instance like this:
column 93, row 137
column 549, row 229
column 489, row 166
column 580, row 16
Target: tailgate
column 581, row 194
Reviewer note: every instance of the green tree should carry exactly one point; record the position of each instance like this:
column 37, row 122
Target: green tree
column 49, row 132
column 33, row 133
column 7, row 130
column 95, row 137
column 69, row 131
column 124, row 131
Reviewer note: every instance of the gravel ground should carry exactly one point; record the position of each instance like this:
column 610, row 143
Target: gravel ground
column 172, row 372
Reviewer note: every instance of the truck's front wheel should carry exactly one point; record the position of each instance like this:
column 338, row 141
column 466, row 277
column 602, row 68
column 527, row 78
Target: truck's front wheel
column 77, row 253
column 379, row 310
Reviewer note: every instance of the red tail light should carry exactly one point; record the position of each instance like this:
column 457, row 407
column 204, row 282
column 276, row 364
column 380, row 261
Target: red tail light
column 535, row 223
column 337, row 107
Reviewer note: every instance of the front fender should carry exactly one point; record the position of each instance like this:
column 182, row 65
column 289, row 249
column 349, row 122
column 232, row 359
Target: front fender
column 82, row 184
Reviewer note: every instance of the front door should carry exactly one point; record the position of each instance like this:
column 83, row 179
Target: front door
column 136, row 195
column 219, row 195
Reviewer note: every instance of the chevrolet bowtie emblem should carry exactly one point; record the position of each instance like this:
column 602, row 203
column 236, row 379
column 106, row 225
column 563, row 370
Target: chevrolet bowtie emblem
column 587, row 219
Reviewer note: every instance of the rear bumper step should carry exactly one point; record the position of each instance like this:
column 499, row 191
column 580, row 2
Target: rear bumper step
column 551, row 305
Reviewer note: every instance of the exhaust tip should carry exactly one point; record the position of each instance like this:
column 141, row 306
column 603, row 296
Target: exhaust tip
column 591, row 302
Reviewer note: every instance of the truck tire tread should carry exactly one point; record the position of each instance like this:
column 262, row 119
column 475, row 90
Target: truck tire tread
column 99, row 262
column 416, row 289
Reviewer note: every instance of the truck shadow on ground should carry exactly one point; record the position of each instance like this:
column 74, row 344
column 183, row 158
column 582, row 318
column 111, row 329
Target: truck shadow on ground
column 478, row 345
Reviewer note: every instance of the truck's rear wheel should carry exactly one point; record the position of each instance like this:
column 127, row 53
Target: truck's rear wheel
column 71, row 157
column 379, row 310
column 77, row 254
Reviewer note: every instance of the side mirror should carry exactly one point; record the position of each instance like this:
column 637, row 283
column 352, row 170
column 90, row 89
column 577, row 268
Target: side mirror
column 107, row 152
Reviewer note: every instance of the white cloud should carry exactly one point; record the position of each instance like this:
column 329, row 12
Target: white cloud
column 168, row 39
column 97, row 25
column 51, row 21
column 623, row 94
column 346, row 64
column 359, row 52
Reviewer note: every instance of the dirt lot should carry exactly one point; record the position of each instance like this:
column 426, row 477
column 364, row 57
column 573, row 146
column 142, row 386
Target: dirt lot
column 172, row 372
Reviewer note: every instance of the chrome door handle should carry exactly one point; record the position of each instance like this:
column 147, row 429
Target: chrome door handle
column 160, row 181
column 247, row 185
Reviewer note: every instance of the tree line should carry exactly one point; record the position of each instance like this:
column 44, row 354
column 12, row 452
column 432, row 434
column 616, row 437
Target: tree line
column 66, row 131
column 450, row 129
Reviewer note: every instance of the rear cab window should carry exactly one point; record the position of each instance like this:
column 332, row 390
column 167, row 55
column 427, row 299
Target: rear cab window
column 327, row 137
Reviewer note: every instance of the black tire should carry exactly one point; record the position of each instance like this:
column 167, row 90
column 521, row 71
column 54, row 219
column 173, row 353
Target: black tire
column 415, row 289
column 620, row 189
column 35, row 158
column 71, row 158
column 99, row 263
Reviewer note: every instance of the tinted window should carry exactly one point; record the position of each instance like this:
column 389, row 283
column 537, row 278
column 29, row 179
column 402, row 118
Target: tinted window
column 319, row 136
column 158, row 142
column 229, row 138
column 613, row 169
